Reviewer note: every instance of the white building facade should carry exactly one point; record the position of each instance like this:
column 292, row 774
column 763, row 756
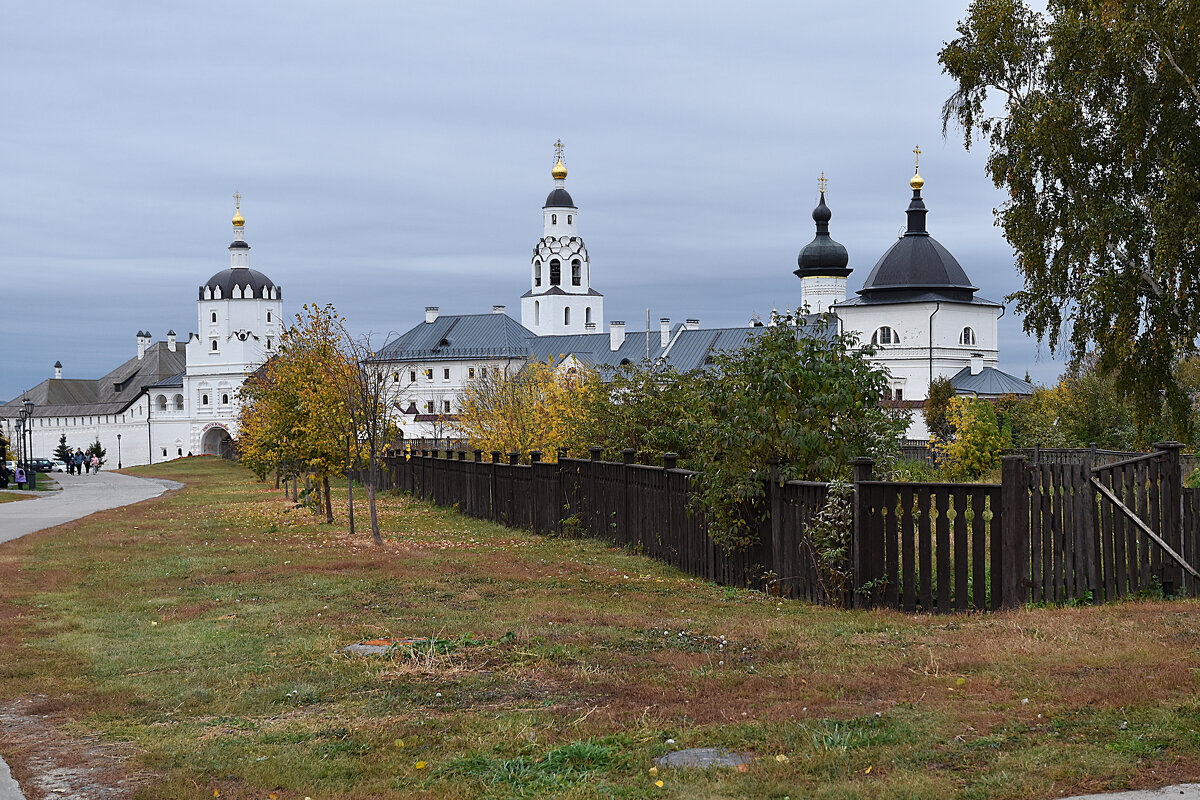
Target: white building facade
column 174, row 398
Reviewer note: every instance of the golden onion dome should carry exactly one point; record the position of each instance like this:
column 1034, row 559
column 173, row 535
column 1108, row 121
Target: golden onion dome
column 559, row 172
column 917, row 181
column 238, row 219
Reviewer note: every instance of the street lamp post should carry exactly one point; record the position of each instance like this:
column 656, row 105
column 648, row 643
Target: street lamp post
column 118, row 451
column 27, row 413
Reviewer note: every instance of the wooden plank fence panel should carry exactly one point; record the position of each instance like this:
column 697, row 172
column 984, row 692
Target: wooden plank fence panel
column 925, row 546
column 979, row 551
column 908, row 538
column 891, row 547
column 961, row 537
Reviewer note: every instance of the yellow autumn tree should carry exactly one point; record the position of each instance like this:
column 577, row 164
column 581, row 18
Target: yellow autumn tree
column 293, row 415
column 542, row 407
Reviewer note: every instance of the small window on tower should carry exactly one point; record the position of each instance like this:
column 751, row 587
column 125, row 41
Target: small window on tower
column 554, row 219
column 967, row 336
column 555, row 272
column 214, row 316
column 537, row 273
column 576, row 272
column 568, row 219
column 224, row 399
column 268, row 316
column 214, row 345
column 203, row 399
column 268, row 344
column 567, row 315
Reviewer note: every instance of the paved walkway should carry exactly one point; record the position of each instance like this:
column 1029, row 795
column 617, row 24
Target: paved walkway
column 81, row 495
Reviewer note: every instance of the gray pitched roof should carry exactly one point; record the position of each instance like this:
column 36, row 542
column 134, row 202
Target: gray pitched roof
column 453, row 338
column 990, row 382
column 112, row 394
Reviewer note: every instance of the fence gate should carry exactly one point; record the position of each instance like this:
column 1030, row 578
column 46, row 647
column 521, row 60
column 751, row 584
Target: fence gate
column 1140, row 526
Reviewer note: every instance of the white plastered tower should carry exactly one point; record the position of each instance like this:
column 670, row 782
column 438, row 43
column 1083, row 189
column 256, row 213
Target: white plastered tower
column 561, row 299
column 240, row 315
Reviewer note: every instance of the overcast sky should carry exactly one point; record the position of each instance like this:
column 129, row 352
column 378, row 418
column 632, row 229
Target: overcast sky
column 396, row 155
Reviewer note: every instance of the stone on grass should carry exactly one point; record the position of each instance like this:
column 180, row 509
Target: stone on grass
column 703, row 758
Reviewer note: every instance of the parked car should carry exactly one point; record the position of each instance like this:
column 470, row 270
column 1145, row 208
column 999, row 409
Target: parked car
column 60, row 465
column 44, row 465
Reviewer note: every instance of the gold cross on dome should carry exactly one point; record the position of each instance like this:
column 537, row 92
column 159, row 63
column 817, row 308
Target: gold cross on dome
column 822, row 183
column 917, row 153
column 558, row 150
column 237, row 198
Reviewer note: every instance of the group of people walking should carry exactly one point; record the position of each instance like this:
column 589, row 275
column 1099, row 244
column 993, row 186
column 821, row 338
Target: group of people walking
column 78, row 463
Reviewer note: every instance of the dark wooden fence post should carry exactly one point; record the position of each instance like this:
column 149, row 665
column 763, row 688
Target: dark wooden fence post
column 478, row 456
column 626, row 475
column 1009, row 587
column 514, row 459
column 775, row 509
column 462, row 455
column 493, row 499
column 535, row 456
column 595, row 452
column 670, row 460
column 1087, row 548
column 866, row 541
column 1171, row 497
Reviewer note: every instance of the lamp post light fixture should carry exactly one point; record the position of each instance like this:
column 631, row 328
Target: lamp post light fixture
column 27, row 414
column 118, row 451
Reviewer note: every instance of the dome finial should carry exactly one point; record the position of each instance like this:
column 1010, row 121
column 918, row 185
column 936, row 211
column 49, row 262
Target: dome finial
column 238, row 219
column 559, row 172
column 821, row 182
column 917, row 181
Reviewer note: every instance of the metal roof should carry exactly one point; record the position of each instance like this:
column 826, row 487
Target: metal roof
column 111, row 394
column 990, row 382
column 458, row 337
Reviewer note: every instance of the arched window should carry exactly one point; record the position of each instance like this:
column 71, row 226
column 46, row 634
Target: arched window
column 576, row 272
column 179, row 402
column 224, row 399
column 967, row 336
column 161, row 402
column 214, row 316
column 885, row 335
column 203, row 399
column 537, row 273
column 554, row 219
column 567, row 315
column 587, row 316
column 555, row 272
column 214, row 345
column 268, row 316
column 268, row 344
column 537, row 312
column 569, row 219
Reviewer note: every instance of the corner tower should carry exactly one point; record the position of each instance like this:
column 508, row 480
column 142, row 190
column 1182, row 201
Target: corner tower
column 561, row 298
column 822, row 264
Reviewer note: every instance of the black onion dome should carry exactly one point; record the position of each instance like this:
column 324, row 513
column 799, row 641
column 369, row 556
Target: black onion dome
column 917, row 263
column 559, row 199
column 823, row 257
column 226, row 279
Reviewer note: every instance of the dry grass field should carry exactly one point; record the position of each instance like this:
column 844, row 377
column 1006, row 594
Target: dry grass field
column 192, row 645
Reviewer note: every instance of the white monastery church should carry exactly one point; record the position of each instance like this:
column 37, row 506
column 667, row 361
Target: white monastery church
column 172, row 398
column 917, row 307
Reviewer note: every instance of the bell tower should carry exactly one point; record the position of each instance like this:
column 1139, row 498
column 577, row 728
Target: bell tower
column 561, row 298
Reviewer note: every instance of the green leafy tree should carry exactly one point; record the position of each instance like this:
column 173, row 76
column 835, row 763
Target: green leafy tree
column 1090, row 111
column 975, row 444
column 63, row 451
column 652, row 409
column 937, row 408
column 803, row 402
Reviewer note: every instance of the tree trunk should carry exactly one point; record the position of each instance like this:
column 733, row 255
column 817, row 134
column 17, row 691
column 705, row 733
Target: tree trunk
column 276, row 479
column 374, row 517
column 328, row 500
column 350, row 492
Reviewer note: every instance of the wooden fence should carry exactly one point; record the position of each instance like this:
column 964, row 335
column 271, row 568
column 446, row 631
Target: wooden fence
column 1050, row 532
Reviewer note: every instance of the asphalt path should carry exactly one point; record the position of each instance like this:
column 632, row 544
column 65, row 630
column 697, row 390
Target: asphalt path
column 81, row 495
